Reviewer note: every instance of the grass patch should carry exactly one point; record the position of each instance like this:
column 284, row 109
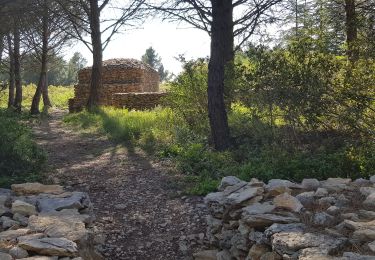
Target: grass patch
column 59, row 96
column 21, row 160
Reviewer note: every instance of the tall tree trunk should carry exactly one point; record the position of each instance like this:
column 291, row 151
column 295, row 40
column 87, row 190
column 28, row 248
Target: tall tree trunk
column 17, row 70
column 351, row 30
column 11, row 72
column 222, row 54
column 97, row 51
column 42, row 84
column 46, row 100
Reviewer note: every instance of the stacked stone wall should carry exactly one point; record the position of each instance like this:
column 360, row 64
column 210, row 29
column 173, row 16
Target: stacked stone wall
column 119, row 76
column 137, row 101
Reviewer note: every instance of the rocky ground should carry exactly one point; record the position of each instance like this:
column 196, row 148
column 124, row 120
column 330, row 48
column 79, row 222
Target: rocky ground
column 140, row 214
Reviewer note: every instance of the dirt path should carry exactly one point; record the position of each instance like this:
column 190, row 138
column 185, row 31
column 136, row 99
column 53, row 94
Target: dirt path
column 134, row 198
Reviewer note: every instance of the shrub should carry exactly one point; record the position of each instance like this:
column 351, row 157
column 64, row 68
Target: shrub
column 20, row 158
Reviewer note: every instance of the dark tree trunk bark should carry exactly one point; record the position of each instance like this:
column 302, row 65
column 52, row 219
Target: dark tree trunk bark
column 42, row 88
column 11, row 72
column 222, row 54
column 97, row 67
column 17, row 70
column 351, row 30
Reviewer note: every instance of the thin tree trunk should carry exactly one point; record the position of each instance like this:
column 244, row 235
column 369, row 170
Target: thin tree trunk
column 17, row 70
column 42, row 84
column 11, row 72
column 46, row 100
column 97, row 67
column 351, row 30
column 222, row 48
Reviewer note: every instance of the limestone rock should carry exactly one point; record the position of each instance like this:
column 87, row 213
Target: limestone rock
column 21, row 219
column 288, row 202
column 68, row 200
column 323, row 219
column 8, row 222
column 243, row 194
column 333, row 210
column 30, row 236
column 307, row 199
column 369, row 203
column 69, row 226
column 257, row 250
column 223, row 255
column 277, row 228
column 40, row 258
column 372, row 179
column 264, row 220
column 206, row 255
column 259, row 208
column 51, row 246
column 366, row 191
column 321, row 192
column 23, row 208
column 354, row 256
column 271, row 256
column 36, row 188
column 336, row 184
column 372, row 246
column 13, row 234
column 18, row 252
column 4, row 256
column 310, row 184
column 291, row 242
column 229, row 181
column 3, row 210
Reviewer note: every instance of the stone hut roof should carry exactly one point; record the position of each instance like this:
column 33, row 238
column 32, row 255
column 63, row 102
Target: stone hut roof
column 125, row 64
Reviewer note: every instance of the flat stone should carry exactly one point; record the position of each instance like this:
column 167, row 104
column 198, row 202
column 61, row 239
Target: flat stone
column 366, row 191
column 30, row 237
column 369, row 215
column 286, row 201
column 323, row 219
column 321, row 192
column 336, row 184
column 291, row 242
column 364, row 234
column 36, row 188
column 277, row 228
column 18, row 252
column 4, row 256
column 21, row 219
column 223, row 255
column 372, row 179
column 372, row 246
column 23, row 208
column 265, row 220
column 4, row 199
column 315, row 254
column 68, row 200
column 205, row 255
column 214, row 197
column 40, row 258
column 13, row 234
column 68, row 226
column 257, row 250
column 355, row 256
column 51, row 246
column 3, row 210
column 369, row 203
column 310, row 184
column 229, row 181
column 243, row 194
column 307, row 199
column 8, row 222
column 271, row 256
column 333, row 210
column 278, row 182
column 259, row 208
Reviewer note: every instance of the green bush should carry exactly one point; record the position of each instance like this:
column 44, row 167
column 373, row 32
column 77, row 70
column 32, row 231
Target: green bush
column 20, row 158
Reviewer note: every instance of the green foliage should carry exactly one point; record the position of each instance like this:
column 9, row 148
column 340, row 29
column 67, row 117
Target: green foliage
column 187, row 95
column 20, row 158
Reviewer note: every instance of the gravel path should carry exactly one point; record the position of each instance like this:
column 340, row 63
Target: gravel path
column 138, row 210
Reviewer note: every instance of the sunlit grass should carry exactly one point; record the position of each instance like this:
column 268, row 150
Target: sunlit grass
column 59, row 96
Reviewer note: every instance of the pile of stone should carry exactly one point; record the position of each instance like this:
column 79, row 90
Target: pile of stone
column 331, row 219
column 44, row 222
column 119, row 76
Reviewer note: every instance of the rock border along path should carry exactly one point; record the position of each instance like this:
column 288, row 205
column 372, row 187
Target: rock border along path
column 138, row 215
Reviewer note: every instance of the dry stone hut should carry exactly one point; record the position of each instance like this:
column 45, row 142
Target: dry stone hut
column 127, row 83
